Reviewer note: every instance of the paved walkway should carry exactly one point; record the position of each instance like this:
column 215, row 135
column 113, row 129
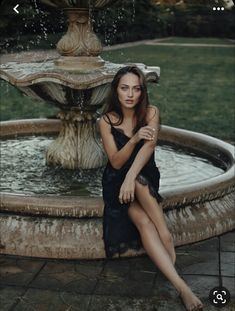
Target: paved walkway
column 133, row 284
column 160, row 42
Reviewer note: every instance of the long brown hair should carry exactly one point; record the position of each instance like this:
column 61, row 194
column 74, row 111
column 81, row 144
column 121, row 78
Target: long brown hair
column 113, row 104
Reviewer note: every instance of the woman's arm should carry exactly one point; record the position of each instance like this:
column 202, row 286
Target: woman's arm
column 127, row 189
column 146, row 151
column 116, row 158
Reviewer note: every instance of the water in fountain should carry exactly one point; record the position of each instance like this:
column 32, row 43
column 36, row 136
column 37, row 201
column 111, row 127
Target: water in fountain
column 23, row 169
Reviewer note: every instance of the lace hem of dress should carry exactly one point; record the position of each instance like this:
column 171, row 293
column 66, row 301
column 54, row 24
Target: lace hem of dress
column 122, row 248
column 144, row 181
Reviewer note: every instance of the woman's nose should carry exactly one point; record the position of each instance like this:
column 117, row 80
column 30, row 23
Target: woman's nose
column 130, row 93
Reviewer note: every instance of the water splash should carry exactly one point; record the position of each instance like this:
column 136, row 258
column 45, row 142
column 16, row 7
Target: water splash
column 36, row 6
column 133, row 11
column 109, row 21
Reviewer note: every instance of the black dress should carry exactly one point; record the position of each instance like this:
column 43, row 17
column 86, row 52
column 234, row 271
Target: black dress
column 119, row 233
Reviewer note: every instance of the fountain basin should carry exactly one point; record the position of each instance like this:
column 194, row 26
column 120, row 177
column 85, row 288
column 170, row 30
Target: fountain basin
column 71, row 227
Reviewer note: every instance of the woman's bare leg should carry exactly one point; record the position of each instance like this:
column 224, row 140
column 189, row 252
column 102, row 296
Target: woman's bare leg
column 157, row 252
column 155, row 213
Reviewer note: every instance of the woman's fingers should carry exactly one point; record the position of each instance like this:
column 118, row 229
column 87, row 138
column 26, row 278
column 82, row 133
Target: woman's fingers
column 120, row 197
column 148, row 133
column 126, row 197
column 151, row 131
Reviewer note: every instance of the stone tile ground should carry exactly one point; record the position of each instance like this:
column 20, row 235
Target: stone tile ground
column 132, row 284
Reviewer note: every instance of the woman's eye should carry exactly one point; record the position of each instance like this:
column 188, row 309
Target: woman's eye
column 135, row 89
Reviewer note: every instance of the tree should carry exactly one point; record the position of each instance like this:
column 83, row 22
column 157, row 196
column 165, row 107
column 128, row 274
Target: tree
column 127, row 21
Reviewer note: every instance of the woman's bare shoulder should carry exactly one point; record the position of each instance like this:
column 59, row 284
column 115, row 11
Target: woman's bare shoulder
column 107, row 117
column 113, row 116
column 110, row 116
column 152, row 111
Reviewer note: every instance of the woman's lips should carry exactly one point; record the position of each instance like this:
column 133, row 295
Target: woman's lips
column 129, row 101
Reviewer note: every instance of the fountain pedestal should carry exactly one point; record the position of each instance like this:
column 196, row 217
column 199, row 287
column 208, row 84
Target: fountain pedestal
column 78, row 145
column 79, row 47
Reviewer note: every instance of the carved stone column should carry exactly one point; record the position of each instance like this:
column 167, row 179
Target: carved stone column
column 80, row 46
column 78, row 144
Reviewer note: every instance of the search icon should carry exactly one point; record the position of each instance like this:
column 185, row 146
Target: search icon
column 219, row 296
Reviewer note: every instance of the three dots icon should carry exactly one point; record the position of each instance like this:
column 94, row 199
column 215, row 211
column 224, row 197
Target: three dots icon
column 218, row 8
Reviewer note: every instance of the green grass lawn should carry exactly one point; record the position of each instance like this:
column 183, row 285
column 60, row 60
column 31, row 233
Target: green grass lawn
column 205, row 40
column 196, row 89
column 14, row 105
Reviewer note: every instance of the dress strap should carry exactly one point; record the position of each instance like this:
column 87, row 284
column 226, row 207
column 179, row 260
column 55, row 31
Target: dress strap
column 109, row 121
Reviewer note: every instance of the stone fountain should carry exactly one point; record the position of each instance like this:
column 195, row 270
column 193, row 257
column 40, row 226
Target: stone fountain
column 76, row 80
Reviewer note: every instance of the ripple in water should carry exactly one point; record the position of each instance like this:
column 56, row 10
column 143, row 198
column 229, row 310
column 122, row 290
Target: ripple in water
column 24, row 170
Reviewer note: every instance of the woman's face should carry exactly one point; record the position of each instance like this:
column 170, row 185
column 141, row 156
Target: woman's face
column 129, row 90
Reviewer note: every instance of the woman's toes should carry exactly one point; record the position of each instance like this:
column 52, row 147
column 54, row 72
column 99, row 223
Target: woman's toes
column 198, row 306
column 191, row 302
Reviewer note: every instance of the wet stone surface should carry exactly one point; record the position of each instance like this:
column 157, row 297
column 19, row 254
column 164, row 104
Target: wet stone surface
column 10, row 296
column 228, row 242
column 198, row 262
column 228, row 263
column 131, row 284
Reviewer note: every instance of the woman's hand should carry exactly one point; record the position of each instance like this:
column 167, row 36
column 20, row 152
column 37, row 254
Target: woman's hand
column 145, row 132
column 127, row 190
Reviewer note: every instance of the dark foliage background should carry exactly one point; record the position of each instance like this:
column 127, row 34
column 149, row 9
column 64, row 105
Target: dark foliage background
column 40, row 26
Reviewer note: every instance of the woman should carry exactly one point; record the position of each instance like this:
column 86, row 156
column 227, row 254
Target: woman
column 133, row 217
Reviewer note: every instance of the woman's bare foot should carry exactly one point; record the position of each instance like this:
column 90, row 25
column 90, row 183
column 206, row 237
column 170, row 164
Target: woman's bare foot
column 190, row 301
